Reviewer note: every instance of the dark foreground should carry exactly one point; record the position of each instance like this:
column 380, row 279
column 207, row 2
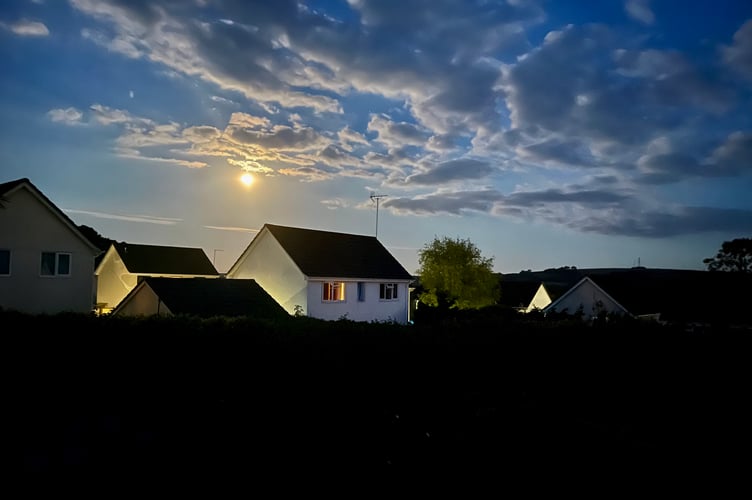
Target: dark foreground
column 154, row 398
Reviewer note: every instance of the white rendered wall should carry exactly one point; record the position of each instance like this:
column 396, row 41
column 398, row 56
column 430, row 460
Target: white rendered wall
column 268, row 263
column 372, row 309
column 588, row 296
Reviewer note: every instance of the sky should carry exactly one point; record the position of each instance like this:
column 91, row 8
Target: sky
column 588, row 133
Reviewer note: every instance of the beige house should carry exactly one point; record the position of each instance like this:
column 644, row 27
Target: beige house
column 126, row 264
column 46, row 264
column 200, row 297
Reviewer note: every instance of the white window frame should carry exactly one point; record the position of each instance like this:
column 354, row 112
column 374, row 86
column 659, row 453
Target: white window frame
column 388, row 291
column 332, row 287
column 57, row 256
column 8, row 252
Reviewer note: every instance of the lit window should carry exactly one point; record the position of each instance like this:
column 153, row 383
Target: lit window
column 4, row 262
column 361, row 291
column 55, row 264
column 334, row 291
column 388, row 291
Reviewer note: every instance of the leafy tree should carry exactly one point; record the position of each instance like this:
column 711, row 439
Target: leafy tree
column 454, row 274
column 734, row 256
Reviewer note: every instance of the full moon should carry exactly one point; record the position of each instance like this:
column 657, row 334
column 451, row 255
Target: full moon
column 246, row 179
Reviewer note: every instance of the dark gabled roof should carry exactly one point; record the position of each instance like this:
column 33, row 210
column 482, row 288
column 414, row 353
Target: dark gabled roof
column 7, row 187
column 155, row 259
column 338, row 255
column 517, row 293
column 517, row 290
column 206, row 297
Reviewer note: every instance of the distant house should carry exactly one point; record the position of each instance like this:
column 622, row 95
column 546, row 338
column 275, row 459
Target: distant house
column 201, row 297
column 525, row 292
column 46, row 263
column 126, row 264
column 588, row 298
column 327, row 275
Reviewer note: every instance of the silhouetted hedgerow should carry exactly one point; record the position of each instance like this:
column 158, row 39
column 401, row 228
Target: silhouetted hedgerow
column 476, row 389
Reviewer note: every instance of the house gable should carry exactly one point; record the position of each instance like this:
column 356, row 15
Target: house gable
column 540, row 300
column 267, row 262
column 587, row 296
column 26, row 288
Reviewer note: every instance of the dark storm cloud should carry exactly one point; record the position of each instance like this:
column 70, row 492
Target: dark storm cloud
column 452, row 170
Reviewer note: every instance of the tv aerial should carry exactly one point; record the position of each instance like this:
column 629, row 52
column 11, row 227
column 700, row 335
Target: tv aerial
column 377, row 198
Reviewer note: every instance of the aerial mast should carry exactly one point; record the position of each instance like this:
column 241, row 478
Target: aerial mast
column 377, row 198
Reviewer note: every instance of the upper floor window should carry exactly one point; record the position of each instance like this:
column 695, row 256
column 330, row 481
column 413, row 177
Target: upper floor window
column 55, row 264
column 4, row 262
column 388, row 291
column 334, row 291
column 361, row 291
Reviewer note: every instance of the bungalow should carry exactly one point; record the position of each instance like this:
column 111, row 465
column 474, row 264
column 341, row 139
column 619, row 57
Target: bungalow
column 587, row 297
column 327, row 275
column 201, row 297
column 46, row 263
column 126, row 264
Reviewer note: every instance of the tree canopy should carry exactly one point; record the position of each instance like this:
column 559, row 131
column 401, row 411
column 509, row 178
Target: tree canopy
column 454, row 274
column 734, row 256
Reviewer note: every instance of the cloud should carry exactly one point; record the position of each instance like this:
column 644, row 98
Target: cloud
column 67, row 116
column 453, row 170
column 25, row 27
column 739, row 55
column 279, row 137
column 334, row 204
column 639, row 10
column 106, row 115
column 149, row 219
column 734, row 155
column 667, row 223
column 454, row 203
column 233, row 229
column 396, row 134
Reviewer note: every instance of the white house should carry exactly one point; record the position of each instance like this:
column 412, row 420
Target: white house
column 587, row 297
column 327, row 275
column 126, row 264
column 46, row 264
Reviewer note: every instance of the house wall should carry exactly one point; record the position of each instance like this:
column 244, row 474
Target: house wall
column 113, row 280
column 268, row 263
column 27, row 228
column 540, row 300
column 144, row 302
column 371, row 309
column 587, row 295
